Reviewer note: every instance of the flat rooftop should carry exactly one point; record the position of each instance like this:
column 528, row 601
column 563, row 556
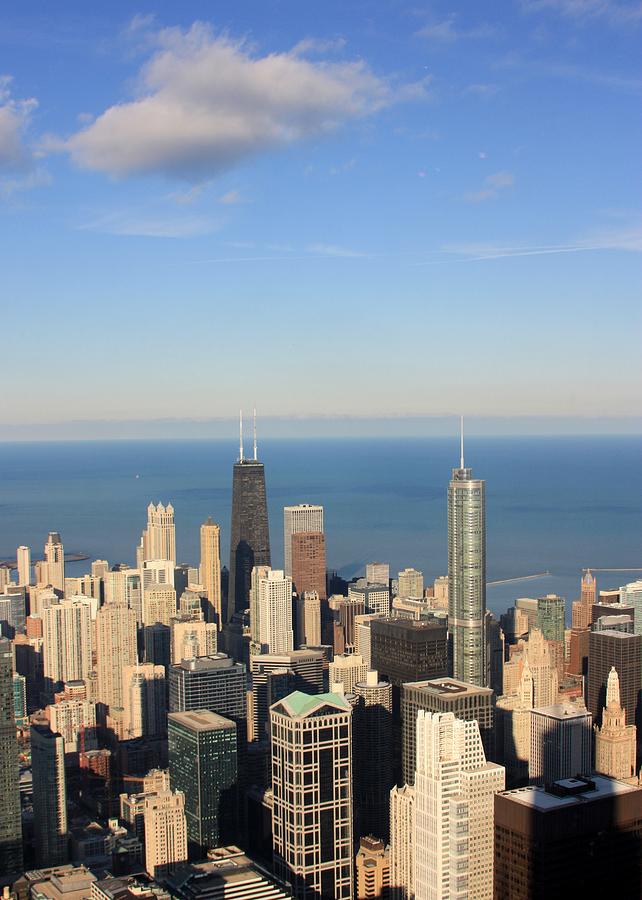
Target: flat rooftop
column 201, row 720
column 449, row 687
column 564, row 711
column 569, row 792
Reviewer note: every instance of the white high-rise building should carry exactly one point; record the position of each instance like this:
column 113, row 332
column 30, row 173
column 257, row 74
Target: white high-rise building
column 453, row 815
column 348, row 669
column 159, row 604
column 51, row 570
column 23, row 560
column 159, row 538
column 115, row 647
column 124, row 586
column 402, row 819
column 378, row 573
column 165, row 832
column 296, row 519
column 192, row 638
column 275, row 612
column 258, row 572
column 144, row 712
column 312, row 789
column 67, row 641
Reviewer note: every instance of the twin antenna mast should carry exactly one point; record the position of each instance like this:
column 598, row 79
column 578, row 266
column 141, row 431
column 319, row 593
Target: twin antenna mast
column 241, row 456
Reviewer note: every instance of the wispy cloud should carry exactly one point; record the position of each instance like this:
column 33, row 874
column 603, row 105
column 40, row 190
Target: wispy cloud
column 447, row 31
column 615, row 12
column 334, row 250
column 231, row 198
column 129, row 224
column 543, row 68
column 493, row 184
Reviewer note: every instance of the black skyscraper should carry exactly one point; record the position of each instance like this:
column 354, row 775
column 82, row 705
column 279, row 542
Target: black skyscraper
column 250, row 532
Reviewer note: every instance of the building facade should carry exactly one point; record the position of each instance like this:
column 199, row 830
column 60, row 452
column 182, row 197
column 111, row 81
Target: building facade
column 10, row 821
column 303, row 518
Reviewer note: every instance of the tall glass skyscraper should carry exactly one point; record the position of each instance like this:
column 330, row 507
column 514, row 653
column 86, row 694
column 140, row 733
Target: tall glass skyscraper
column 467, row 574
column 250, row 532
column 10, row 823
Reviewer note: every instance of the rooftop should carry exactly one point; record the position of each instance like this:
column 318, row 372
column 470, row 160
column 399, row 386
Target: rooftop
column 449, row 687
column 300, row 704
column 564, row 710
column 201, row 720
column 569, row 792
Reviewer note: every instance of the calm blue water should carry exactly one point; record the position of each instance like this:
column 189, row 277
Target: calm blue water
column 555, row 504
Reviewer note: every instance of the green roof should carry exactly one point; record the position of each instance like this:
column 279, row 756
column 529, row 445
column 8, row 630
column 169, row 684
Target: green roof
column 300, row 704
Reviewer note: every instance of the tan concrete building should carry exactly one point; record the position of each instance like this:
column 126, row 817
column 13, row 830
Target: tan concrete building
column 372, row 865
column 67, row 641
column 402, row 819
column 165, row 832
column 189, row 639
column 159, row 604
column 348, row 669
column 144, row 712
column 115, row 648
column 159, row 538
column 308, row 620
column 210, row 569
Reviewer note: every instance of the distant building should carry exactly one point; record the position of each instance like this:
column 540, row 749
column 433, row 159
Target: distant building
column 159, row 538
column 250, row 534
column 298, row 670
column 305, row 518
column 309, row 563
column 215, row 682
column 144, row 711
column 372, row 756
column 550, row 617
column 411, row 583
column 275, row 612
column 347, row 669
column 375, row 596
column 116, row 647
column 568, row 840
column 210, row 569
column 51, row 570
column 405, row 650
column 622, row 651
column 467, row 575
column 67, row 641
column 23, row 561
column 561, row 742
column 378, row 573
column 312, row 815
column 308, row 619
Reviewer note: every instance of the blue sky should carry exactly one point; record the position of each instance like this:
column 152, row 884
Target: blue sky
column 358, row 208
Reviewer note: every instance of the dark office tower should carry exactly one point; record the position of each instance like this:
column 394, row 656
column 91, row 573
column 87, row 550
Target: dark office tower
column 442, row 695
column 250, row 532
column 302, row 669
column 467, row 573
column 494, row 654
column 408, row 650
column 10, row 825
column 203, row 764
column 579, row 837
column 213, row 682
column 156, row 639
column 49, row 796
column 372, row 756
column 624, row 652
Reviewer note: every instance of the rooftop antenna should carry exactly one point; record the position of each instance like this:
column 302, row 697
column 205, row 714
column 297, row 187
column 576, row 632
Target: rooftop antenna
column 240, row 435
column 461, row 439
column 254, row 434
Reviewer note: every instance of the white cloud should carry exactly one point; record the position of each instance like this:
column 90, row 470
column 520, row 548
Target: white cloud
column 14, row 121
column 447, row 31
column 493, row 184
column 628, row 239
column 230, row 198
column 128, row 224
column 206, row 102
column 614, row 12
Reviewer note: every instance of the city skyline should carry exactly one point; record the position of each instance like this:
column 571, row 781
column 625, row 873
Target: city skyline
column 448, row 169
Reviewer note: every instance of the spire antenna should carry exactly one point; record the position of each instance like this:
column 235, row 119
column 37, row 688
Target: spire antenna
column 240, row 435
column 461, row 439
column 254, row 434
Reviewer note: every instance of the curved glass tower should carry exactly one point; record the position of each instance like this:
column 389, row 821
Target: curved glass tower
column 467, row 575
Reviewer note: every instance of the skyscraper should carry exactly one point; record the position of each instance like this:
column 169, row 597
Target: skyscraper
column 250, row 533
column 144, row 711
column 23, row 558
column 52, row 569
column 211, row 569
column 297, row 519
column 402, row 827
column 308, row 563
column 410, row 583
column 67, row 641
column 467, row 573
column 275, row 612
column 115, row 648
column 49, row 796
column 560, row 743
column 312, row 790
column 454, row 796
column 10, row 824
column 372, row 751
column 308, row 620
column 615, row 740
column 203, row 765
column 550, row 617
column 608, row 649
column 209, row 682
column 159, row 538
column 165, row 832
